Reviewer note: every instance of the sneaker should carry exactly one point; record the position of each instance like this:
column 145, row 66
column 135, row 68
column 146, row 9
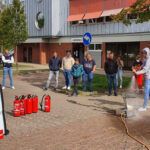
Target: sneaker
column 68, row 88
column 115, row 94
column 120, row 86
column 142, row 109
column 64, row 88
column 3, row 88
column 13, row 87
column 55, row 89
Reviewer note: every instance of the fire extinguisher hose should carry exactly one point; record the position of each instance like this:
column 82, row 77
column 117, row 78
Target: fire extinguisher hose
column 128, row 133
column 41, row 104
column 23, row 104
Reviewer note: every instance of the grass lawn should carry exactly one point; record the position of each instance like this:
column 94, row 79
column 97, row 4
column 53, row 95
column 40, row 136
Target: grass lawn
column 19, row 66
column 23, row 72
column 100, row 83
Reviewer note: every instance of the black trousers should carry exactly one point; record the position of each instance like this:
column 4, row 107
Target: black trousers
column 76, row 81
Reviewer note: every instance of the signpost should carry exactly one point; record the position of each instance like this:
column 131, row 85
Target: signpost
column 87, row 39
column 2, row 114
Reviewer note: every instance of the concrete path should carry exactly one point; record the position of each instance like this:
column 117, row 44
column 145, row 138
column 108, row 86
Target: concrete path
column 77, row 123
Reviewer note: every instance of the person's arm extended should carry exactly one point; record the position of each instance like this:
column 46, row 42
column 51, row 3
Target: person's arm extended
column 145, row 69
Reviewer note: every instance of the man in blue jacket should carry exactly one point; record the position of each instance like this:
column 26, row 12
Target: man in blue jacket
column 54, row 66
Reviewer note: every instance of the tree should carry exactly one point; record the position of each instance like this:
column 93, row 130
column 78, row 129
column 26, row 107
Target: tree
column 139, row 10
column 6, row 29
column 20, row 33
column 13, row 26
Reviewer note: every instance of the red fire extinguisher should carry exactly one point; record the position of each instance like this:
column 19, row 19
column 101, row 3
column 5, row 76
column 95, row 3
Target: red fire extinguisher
column 1, row 134
column 34, row 104
column 47, row 103
column 29, row 104
column 24, row 100
column 22, row 105
column 16, row 107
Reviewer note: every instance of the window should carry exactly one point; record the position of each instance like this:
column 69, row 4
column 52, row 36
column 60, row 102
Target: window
column 129, row 16
column 108, row 19
column 95, row 47
column 39, row 22
column 92, row 20
column 99, row 20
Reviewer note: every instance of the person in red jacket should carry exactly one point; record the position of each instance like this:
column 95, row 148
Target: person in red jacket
column 137, row 65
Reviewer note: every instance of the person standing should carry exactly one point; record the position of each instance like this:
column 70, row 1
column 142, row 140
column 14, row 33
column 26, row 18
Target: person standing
column 146, row 71
column 7, row 60
column 111, row 69
column 54, row 66
column 89, row 67
column 77, row 72
column 120, row 72
column 137, row 65
column 67, row 63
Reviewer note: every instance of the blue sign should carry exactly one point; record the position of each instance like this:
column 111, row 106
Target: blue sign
column 87, row 39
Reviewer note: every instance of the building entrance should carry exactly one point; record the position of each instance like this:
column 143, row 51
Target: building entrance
column 78, row 51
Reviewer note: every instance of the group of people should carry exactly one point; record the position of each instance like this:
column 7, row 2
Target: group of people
column 72, row 68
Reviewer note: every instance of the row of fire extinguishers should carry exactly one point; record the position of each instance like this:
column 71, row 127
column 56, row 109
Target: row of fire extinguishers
column 29, row 104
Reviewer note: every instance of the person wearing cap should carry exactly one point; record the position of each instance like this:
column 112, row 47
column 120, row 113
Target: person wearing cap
column 137, row 65
column 7, row 60
column 146, row 71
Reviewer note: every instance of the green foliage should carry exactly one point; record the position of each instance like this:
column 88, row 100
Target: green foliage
column 139, row 10
column 13, row 26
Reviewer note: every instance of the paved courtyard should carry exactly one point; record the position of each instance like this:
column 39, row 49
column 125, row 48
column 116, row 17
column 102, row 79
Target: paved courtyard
column 77, row 123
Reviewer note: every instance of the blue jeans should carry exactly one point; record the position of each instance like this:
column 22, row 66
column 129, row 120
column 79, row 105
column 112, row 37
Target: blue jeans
column 7, row 71
column 146, row 93
column 111, row 77
column 87, row 77
column 119, row 76
column 51, row 74
column 67, row 75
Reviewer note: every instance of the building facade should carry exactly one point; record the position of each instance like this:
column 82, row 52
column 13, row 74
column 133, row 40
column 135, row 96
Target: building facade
column 59, row 25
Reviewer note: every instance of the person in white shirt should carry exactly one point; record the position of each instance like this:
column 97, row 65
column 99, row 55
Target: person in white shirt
column 7, row 60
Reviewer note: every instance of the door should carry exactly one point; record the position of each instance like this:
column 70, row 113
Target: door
column 78, row 51
column 30, row 54
column 24, row 54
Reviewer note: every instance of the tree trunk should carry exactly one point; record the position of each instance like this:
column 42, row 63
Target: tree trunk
column 16, row 58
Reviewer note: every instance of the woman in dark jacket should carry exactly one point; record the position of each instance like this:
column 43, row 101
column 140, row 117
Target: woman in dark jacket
column 77, row 72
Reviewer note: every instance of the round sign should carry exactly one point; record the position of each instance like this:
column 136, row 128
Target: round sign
column 87, row 39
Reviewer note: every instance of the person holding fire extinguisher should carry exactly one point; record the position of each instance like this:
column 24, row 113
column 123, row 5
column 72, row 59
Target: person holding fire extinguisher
column 54, row 66
column 8, row 60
